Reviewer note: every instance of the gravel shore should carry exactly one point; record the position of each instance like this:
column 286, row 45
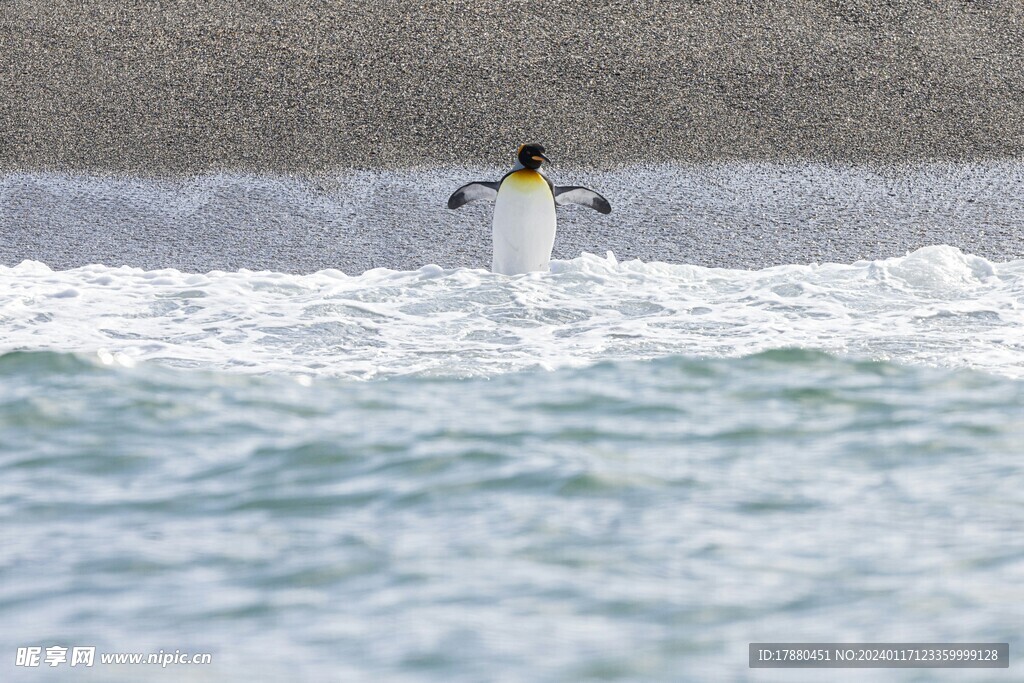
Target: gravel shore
column 723, row 214
column 301, row 135
column 302, row 85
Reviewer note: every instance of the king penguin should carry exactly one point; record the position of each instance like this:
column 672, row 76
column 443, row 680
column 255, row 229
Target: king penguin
column 524, row 211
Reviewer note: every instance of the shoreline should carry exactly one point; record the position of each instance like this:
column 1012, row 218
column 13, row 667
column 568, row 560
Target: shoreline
column 748, row 216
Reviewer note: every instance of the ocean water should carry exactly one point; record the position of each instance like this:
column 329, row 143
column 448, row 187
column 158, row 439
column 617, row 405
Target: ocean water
column 612, row 471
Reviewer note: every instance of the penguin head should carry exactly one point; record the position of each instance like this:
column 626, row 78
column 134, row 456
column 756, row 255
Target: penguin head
column 532, row 156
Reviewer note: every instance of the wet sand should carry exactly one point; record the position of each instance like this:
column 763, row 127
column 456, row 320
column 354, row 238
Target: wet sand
column 727, row 215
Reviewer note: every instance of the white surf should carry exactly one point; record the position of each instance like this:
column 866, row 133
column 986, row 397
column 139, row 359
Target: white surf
column 936, row 306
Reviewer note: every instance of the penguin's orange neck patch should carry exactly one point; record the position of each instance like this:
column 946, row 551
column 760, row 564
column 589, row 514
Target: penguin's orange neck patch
column 527, row 176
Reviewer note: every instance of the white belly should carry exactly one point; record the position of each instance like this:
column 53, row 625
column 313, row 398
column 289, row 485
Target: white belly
column 524, row 224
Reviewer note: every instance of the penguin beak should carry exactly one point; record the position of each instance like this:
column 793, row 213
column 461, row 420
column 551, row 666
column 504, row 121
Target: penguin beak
column 540, row 157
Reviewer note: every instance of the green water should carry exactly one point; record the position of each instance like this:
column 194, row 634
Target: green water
column 637, row 520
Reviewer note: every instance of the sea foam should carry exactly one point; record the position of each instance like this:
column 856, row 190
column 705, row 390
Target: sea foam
column 935, row 306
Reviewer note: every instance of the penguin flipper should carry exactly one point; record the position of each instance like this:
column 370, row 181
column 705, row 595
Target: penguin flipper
column 472, row 192
column 582, row 196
